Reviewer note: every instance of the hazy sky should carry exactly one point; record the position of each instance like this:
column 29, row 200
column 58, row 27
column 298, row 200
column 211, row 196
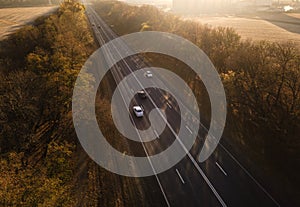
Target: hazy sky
column 151, row 1
column 169, row 1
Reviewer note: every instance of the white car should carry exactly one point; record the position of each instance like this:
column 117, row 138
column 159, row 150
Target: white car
column 149, row 74
column 138, row 111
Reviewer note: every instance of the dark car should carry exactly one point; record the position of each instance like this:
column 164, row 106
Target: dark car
column 142, row 94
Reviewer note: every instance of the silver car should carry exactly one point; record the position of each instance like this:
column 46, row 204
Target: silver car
column 138, row 111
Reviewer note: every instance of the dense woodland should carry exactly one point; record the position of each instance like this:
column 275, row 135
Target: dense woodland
column 41, row 161
column 262, row 83
column 43, row 165
column 37, row 139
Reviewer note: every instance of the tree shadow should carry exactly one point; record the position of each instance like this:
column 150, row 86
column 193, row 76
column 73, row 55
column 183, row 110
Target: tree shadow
column 282, row 20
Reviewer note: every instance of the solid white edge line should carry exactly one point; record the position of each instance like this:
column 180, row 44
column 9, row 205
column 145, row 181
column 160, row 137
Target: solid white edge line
column 156, row 176
column 242, row 167
column 169, row 105
column 180, row 176
column 249, row 174
column 156, row 134
column 155, row 173
column 187, row 152
column 189, row 129
column 222, row 170
column 207, row 180
column 238, row 164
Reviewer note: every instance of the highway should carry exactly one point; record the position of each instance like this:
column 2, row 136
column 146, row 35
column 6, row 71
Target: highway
column 219, row 181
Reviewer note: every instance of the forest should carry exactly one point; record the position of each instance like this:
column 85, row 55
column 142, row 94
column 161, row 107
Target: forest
column 262, row 84
column 37, row 139
column 42, row 163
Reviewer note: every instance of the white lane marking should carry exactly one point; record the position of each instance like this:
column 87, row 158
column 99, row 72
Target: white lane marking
column 155, row 173
column 223, row 171
column 248, row 173
column 235, row 160
column 156, row 176
column 156, row 134
column 150, row 162
column 207, row 180
column 132, row 90
column 180, row 176
column 189, row 129
column 169, row 105
column 187, row 152
column 153, row 169
column 241, row 167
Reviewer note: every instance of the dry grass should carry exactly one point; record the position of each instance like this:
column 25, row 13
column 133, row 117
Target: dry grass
column 272, row 28
column 13, row 18
column 297, row 15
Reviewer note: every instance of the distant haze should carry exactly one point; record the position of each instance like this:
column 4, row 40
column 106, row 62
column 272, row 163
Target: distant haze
column 148, row 1
column 203, row 6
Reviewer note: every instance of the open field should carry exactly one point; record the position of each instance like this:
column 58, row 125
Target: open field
column 13, row 18
column 297, row 15
column 276, row 28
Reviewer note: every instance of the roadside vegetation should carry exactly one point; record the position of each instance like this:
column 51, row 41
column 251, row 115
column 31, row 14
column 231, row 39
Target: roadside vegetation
column 39, row 64
column 41, row 161
column 13, row 19
column 262, row 83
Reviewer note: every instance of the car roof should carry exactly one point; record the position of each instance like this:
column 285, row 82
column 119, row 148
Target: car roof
column 137, row 108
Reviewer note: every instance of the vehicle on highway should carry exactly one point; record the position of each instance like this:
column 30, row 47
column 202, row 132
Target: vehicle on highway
column 149, row 74
column 142, row 94
column 138, row 111
column 99, row 26
column 93, row 24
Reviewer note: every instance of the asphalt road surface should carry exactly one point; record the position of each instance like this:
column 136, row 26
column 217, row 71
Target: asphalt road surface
column 219, row 181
